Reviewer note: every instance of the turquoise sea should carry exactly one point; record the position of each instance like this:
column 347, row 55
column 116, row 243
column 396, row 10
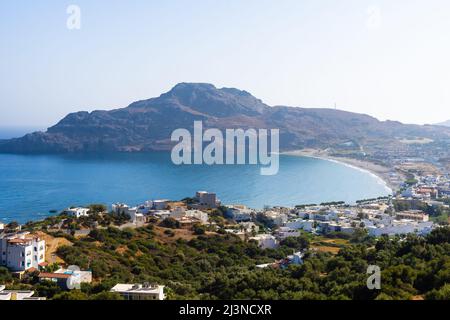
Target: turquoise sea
column 32, row 185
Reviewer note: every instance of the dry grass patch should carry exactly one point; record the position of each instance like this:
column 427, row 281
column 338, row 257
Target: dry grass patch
column 52, row 244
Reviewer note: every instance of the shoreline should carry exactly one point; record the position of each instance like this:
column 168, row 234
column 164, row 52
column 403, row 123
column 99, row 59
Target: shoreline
column 379, row 172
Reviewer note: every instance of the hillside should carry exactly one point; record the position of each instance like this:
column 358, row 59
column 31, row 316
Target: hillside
column 147, row 125
column 222, row 266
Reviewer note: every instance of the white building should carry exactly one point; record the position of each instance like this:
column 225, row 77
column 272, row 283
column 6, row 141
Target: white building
column 135, row 214
column 266, row 241
column 285, row 232
column 64, row 277
column 22, row 251
column 199, row 215
column 162, row 214
column 324, row 216
column 401, row 228
column 277, row 218
column 140, row 291
column 77, row 212
column 296, row 258
column 306, row 225
column 248, row 227
column 120, row 208
column 17, row 294
column 136, row 217
column 2, row 227
column 239, row 213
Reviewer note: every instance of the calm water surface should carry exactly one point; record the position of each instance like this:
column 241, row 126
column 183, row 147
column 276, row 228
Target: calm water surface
column 32, row 185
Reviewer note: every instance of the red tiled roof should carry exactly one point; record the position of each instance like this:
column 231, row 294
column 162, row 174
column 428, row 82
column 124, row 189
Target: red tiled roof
column 19, row 241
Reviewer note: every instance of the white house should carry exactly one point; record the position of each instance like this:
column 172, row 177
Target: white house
column 401, row 227
column 296, row 258
column 239, row 213
column 2, row 227
column 199, row 215
column 135, row 214
column 22, row 251
column 140, row 291
column 266, row 241
column 162, row 214
column 306, row 225
column 120, row 208
column 77, row 212
column 17, row 294
column 136, row 217
column 248, row 227
column 285, row 232
column 64, row 277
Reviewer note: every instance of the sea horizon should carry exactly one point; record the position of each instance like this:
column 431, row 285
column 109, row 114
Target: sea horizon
column 17, row 131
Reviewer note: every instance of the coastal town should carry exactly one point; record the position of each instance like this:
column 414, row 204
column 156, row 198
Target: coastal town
column 419, row 206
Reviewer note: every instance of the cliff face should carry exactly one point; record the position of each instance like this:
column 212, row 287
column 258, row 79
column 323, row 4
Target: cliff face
column 147, row 125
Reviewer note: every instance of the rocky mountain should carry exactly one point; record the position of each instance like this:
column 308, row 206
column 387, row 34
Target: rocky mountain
column 147, row 125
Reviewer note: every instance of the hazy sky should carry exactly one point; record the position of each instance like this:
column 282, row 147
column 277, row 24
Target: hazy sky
column 387, row 58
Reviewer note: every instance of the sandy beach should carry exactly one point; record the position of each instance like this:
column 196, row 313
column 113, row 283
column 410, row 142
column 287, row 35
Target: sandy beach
column 382, row 172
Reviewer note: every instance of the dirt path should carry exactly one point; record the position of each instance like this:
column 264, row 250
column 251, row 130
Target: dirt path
column 52, row 244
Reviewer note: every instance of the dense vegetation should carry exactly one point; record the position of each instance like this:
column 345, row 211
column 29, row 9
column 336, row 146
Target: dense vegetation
column 206, row 265
column 223, row 267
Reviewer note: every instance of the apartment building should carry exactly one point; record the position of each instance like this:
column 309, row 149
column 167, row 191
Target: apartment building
column 206, row 200
column 21, row 251
column 415, row 215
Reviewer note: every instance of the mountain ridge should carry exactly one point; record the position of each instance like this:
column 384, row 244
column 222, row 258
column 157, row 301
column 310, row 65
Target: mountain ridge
column 146, row 125
column 445, row 123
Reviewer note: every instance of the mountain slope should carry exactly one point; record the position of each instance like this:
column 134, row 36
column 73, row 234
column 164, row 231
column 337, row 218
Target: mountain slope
column 445, row 123
column 147, row 125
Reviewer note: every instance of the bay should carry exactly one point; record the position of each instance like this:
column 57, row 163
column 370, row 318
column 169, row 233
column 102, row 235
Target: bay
column 32, row 185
